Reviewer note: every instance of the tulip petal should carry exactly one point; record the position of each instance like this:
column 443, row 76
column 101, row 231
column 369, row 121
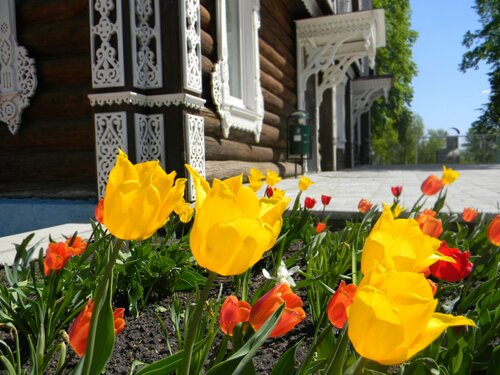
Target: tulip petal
column 201, row 186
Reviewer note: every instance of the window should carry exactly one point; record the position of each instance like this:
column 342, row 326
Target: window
column 236, row 78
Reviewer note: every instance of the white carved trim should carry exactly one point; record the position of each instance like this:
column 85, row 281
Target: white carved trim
column 17, row 71
column 248, row 118
column 149, row 138
column 110, row 136
column 130, row 97
column 331, row 44
column 106, row 54
column 146, row 43
column 195, row 148
column 313, row 8
column 191, row 45
column 366, row 90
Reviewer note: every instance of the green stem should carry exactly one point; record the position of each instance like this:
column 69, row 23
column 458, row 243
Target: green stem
column 193, row 324
column 358, row 367
column 354, row 265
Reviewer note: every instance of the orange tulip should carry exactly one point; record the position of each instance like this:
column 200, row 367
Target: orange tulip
column 493, row 231
column 99, row 211
column 233, row 312
column 431, row 185
column 364, row 206
column 76, row 246
column 320, row 227
column 79, row 331
column 429, row 224
column 270, row 302
column 56, row 257
column 469, row 214
column 338, row 305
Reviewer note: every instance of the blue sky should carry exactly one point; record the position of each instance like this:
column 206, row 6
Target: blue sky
column 444, row 96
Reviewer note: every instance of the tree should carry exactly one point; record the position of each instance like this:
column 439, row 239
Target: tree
column 484, row 46
column 396, row 59
column 430, row 144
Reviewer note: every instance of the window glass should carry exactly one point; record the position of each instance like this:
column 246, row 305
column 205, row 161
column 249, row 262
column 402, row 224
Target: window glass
column 234, row 43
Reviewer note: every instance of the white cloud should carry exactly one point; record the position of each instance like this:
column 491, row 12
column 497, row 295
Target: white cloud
column 486, row 92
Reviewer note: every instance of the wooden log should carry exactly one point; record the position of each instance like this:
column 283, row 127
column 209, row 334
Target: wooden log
column 272, row 119
column 272, row 103
column 58, row 104
column 225, row 169
column 207, row 66
column 30, row 12
column 278, row 89
column 47, row 166
column 65, row 71
column 67, row 37
column 272, row 31
column 288, row 67
column 40, row 136
column 296, row 9
column 205, row 17
column 207, row 45
column 269, row 68
column 280, row 14
column 223, row 149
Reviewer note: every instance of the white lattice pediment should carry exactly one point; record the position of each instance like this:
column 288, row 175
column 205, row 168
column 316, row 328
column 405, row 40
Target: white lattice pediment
column 366, row 90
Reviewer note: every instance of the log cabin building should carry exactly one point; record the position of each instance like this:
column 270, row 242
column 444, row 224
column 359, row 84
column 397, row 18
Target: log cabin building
column 211, row 83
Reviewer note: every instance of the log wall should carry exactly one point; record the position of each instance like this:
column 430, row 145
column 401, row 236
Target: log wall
column 53, row 151
column 239, row 152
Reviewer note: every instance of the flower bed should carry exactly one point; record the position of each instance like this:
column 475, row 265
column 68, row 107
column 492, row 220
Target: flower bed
column 255, row 284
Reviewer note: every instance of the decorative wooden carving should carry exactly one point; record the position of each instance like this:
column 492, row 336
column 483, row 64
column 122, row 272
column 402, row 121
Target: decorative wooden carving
column 195, row 148
column 106, row 42
column 17, row 71
column 149, row 138
column 191, row 44
column 130, row 97
column 366, row 90
column 110, row 136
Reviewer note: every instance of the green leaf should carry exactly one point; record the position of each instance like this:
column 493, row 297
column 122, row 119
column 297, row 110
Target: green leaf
column 8, row 366
column 169, row 364
column 237, row 363
column 286, row 363
column 188, row 280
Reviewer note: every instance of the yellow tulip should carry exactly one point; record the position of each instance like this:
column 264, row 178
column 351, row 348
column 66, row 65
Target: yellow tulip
column 232, row 228
column 400, row 244
column 304, row 183
column 184, row 210
column 397, row 210
column 139, row 198
column 393, row 316
column 449, row 175
column 272, row 178
column 256, row 179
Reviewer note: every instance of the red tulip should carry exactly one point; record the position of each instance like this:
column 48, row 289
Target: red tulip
column 320, row 227
column 79, row 331
column 396, row 191
column 341, row 300
column 364, row 206
column 469, row 214
column 99, row 211
column 452, row 271
column 269, row 191
column 493, row 231
column 233, row 312
column 56, row 257
column 431, row 185
column 270, row 302
column 325, row 199
column 309, row 202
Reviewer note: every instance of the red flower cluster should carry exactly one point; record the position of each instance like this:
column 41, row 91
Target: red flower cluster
column 309, row 203
column 452, row 271
column 431, row 185
column 325, row 199
column 429, row 224
column 493, row 231
column 469, row 215
column 320, row 227
column 58, row 253
column 364, row 206
column 79, row 331
column 234, row 311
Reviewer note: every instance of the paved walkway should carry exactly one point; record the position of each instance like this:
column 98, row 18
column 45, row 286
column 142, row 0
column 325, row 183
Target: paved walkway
column 478, row 186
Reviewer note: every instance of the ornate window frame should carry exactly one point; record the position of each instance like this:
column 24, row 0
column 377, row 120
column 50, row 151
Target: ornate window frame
column 246, row 114
column 17, row 71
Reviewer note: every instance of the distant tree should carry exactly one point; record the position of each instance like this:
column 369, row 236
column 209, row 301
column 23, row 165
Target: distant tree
column 429, row 145
column 395, row 59
column 484, row 46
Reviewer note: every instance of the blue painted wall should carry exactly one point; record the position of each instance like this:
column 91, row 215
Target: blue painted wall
column 23, row 215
